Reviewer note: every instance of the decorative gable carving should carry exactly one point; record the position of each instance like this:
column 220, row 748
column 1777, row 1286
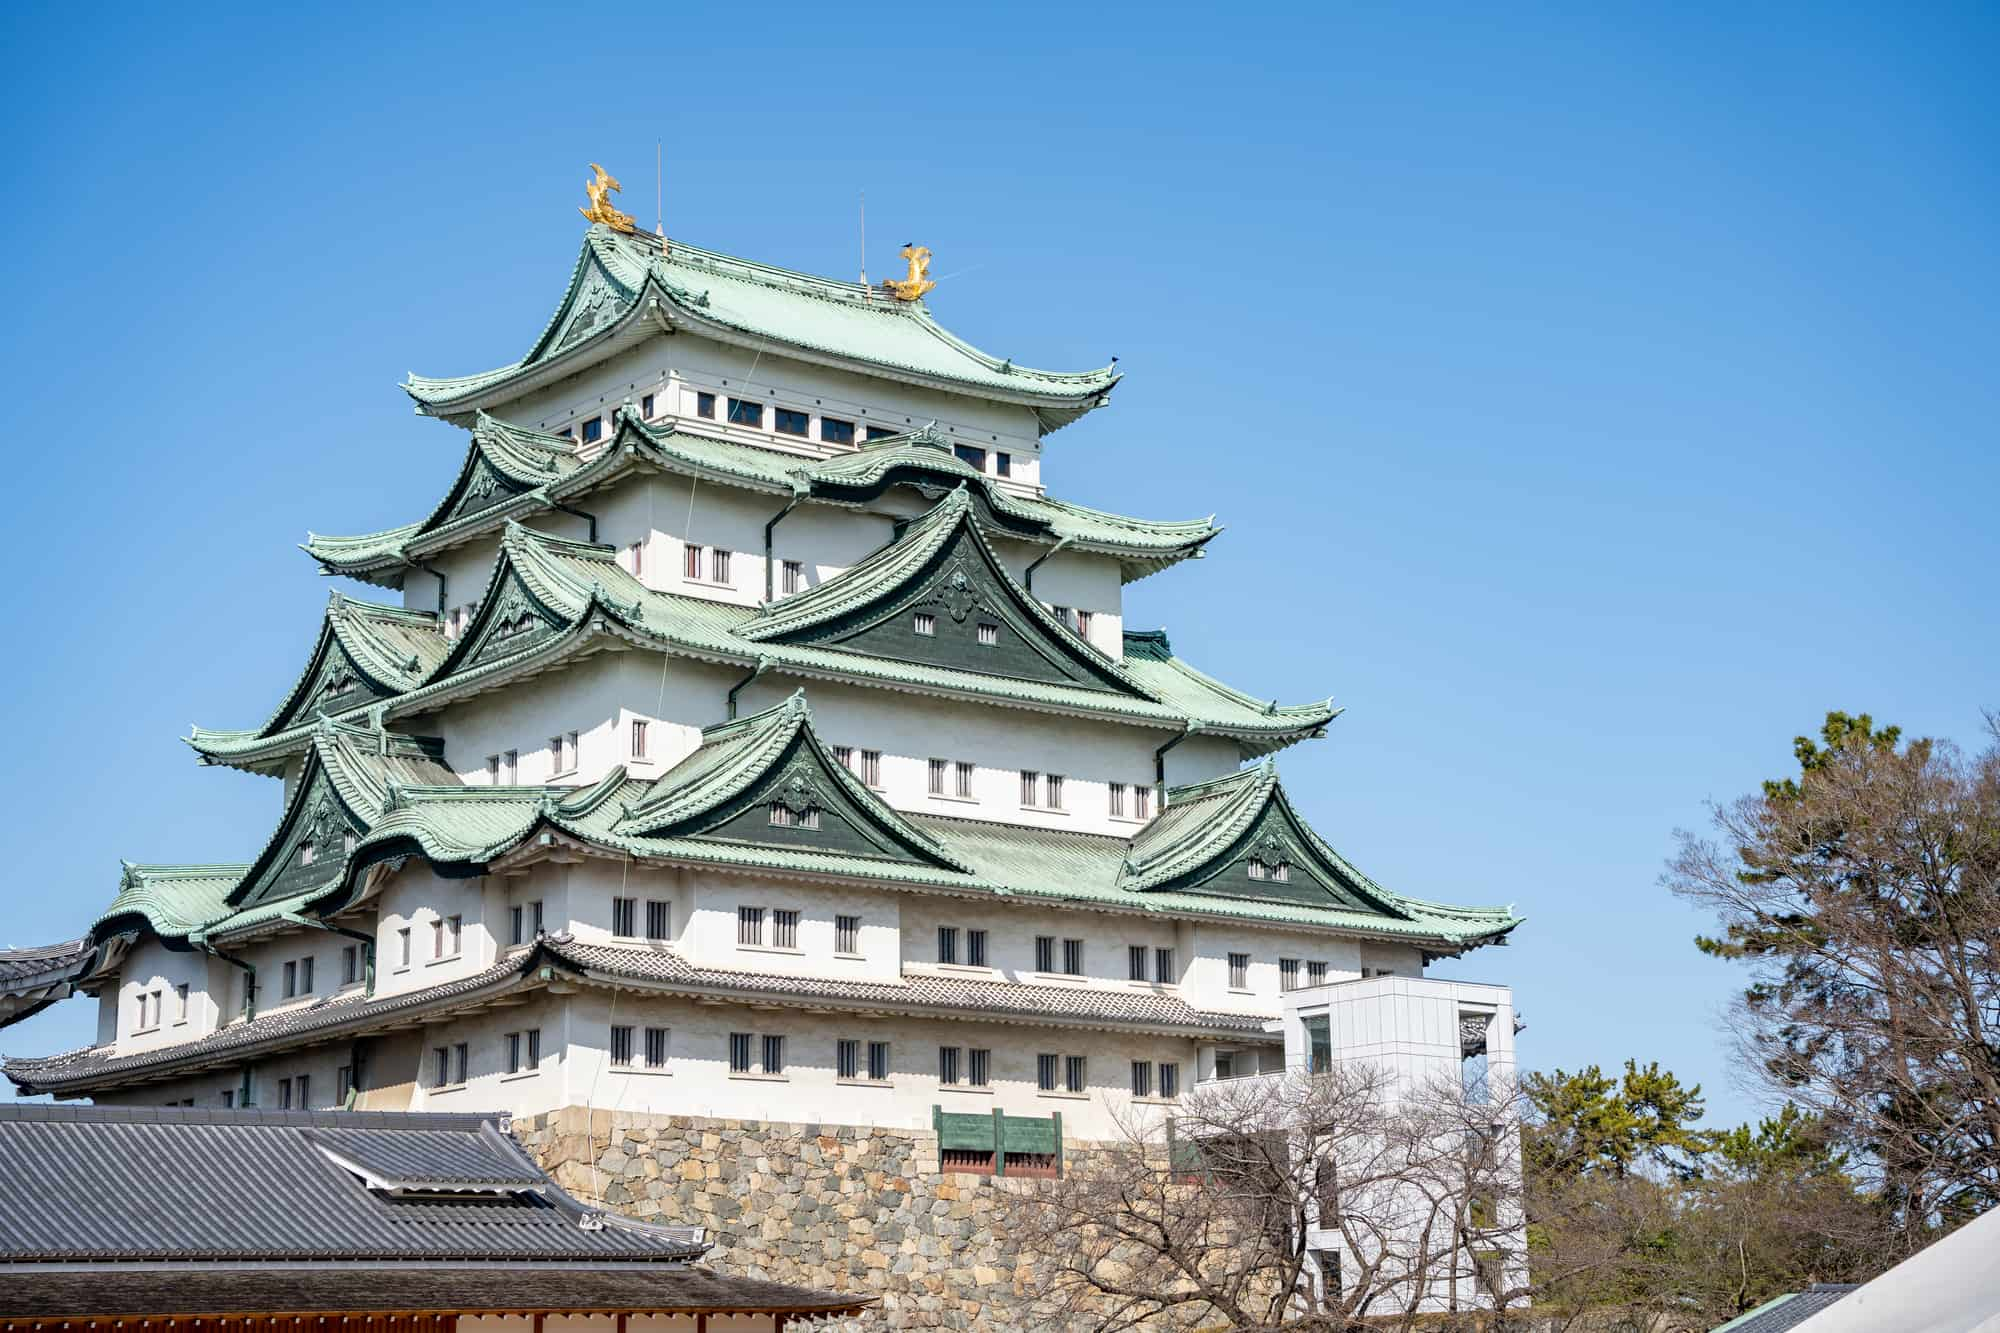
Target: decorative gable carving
column 513, row 621
column 310, row 849
column 485, row 487
column 1274, row 861
column 598, row 303
column 336, row 686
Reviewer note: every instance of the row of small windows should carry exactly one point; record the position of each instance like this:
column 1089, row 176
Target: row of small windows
column 625, row 919
column 451, row 1065
column 151, row 1003
column 1288, row 973
column 986, row 633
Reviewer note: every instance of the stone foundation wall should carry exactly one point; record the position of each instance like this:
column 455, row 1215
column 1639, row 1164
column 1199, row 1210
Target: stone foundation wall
column 838, row 1207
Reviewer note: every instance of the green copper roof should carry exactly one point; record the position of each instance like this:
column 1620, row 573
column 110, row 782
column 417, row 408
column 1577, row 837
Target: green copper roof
column 510, row 473
column 172, row 901
column 624, row 287
column 550, row 599
column 363, row 655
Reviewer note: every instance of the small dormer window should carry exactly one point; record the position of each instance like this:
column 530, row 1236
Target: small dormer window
column 832, row 430
column 924, row 623
column 989, row 635
column 783, row 816
column 788, row 422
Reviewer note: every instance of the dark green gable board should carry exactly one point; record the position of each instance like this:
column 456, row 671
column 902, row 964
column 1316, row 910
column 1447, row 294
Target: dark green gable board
column 822, row 815
column 310, row 851
column 512, row 621
column 961, row 590
column 485, row 486
column 1276, row 846
column 337, row 685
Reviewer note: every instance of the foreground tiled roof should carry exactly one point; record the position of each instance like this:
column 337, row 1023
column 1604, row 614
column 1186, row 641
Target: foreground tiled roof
column 1787, row 1311
column 32, row 979
column 623, row 282
column 256, row 1185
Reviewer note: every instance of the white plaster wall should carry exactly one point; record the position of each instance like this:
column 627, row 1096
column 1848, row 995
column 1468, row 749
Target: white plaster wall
column 1207, row 984
column 711, row 937
column 1011, row 928
column 151, row 967
column 416, row 898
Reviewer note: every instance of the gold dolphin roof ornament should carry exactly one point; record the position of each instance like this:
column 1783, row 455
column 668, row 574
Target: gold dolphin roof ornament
column 600, row 189
column 918, row 281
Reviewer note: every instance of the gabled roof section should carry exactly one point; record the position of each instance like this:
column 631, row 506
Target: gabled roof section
column 941, row 574
column 32, row 979
column 364, row 654
column 351, row 777
column 170, row 901
column 510, row 459
column 767, row 780
column 1239, row 837
column 626, row 287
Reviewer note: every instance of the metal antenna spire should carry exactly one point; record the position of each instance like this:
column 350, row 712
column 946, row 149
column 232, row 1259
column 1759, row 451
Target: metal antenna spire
column 659, row 192
column 864, row 240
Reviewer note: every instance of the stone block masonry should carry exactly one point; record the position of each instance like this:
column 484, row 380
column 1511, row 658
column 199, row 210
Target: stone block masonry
column 840, row 1207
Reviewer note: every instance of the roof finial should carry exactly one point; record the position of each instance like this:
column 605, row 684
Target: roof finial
column 600, row 189
column 913, row 286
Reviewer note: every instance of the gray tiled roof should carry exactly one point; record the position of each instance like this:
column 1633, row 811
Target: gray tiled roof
column 1785, row 1312
column 949, row 997
column 339, row 1288
column 35, row 965
column 157, row 1184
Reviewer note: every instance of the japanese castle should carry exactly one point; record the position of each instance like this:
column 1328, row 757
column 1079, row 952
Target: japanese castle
column 747, row 731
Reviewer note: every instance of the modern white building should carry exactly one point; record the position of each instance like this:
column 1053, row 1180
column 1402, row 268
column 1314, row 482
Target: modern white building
column 748, row 732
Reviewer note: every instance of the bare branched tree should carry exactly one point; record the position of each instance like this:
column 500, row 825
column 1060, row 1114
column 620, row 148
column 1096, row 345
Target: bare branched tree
column 1322, row 1201
column 1864, row 894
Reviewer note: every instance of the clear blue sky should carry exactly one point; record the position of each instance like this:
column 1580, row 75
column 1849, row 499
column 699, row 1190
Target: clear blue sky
column 1594, row 395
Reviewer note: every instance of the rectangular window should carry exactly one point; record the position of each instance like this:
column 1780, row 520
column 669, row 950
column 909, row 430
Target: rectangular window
column 1239, row 971
column 181, row 1000
column 792, row 577
column 871, row 768
column 569, row 752
column 646, row 406
column 948, row 1065
column 975, row 948
column 534, row 1048
column 1031, row 787
column 1003, row 465
column 923, row 622
column 704, row 405
column 284, row 1094
column 783, row 816
column 1170, row 1079
column 593, row 430
column 535, row 917
column 844, row 756
column 517, row 925
column 1142, row 1078
column 659, row 920
column 880, row 432
column 1163, row 967
column 1117, row 799
column 978, row 1066
column 947, row 950
column 963, row 786
column 1046, row 1069
column 635, row 558
column 718, row 565
column 440, row 1066
column 1055, row 791
column 750, row 925
column 784, row 929
column 1073, row 957
column 847, row 934
column 989, row 635
column 343, row 1085
column 461, row 1061
column 229, row 1097
column 774, row 1055
column 878, row 1061
column 1142, row 801
column 638, row 738
column 492, row 771
column 403, row 947
column 624, row 917
column 1315, row 974
column 1083, row 624
column 847, row 1058
column 739, row 1052
column 567, row 432
column 1073, row 1071
column 306, row 974
column 1288, row 972
column 691, row 560
column 621, row 1045
column 937, row 772
column 745, row 413
column 513, row 1052
column 510, row 768
column 971, row 457
column 656, row 1048
column 787, row 422
column 350, row 965
column 1319, row 1044
column 832, row 430
column 1135, row 960
column 1045, row 953
column 291, row 980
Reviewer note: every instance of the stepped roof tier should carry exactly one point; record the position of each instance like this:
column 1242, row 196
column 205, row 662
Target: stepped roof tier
column 33, row 979
column 550, row 600
column 625, row 288
column 511, row 473
column 364, row 654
